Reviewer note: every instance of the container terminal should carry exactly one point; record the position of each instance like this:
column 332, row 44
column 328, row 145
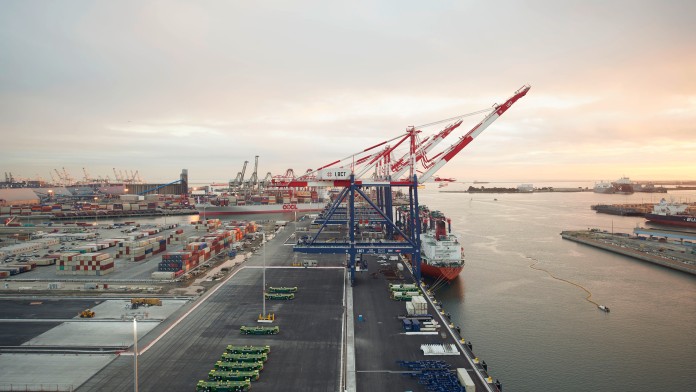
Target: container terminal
column 353, row 314
column 331, row 335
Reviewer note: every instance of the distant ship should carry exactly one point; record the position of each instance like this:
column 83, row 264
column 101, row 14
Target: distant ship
column 525, row 188
column 672, row 214
column 442, row 255
column 604, row 187
column 623, row 186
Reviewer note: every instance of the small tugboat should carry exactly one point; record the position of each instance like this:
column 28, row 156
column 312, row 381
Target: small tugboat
column 603, row 308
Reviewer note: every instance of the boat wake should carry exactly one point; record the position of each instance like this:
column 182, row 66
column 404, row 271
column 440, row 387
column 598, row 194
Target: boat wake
column 589, row 294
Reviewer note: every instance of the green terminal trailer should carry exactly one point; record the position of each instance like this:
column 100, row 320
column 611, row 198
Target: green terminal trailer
column 238, row 366
column 223, row 386
column 282, row 290
column 232, row 349
column 280, row 296
column 259, row 330
column 261, row 357
column 218, row 375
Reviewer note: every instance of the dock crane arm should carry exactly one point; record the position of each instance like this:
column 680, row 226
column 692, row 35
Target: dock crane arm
column 453, row 150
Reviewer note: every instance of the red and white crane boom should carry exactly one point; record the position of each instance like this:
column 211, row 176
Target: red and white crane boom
column 477, row 130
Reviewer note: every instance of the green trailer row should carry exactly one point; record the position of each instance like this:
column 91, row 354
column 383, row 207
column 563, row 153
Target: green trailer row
column 261, row 330
column 237, row 367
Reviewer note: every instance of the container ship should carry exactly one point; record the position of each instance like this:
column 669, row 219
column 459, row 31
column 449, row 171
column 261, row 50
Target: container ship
column 268, row 202
column 209, row 209
column 442, row 254
column 671, row 214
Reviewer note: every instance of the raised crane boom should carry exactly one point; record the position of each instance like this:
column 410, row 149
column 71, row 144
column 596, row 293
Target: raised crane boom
column 477, row 130
column 389, row 170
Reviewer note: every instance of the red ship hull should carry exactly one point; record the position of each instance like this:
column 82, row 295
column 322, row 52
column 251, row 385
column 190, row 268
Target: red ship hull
column 446, row 273
column 672, row 220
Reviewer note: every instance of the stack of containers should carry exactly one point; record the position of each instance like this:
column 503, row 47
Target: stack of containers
column 201, row 249
column 8, row 270
column 64, row 264
column 417, row 305
column 169, row 226
column 23, row 267
column 108, row 242
column 151, row 231
column 94, row 264
column 236, row 233
column 209, row 224
column 97, row 264
column 178, row 262
column 142, row 249
column 176, row 237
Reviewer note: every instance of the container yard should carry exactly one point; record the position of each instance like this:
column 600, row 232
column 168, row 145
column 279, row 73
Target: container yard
column 122, row 255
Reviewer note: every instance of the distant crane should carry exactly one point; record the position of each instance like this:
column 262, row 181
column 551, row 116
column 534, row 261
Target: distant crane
column 61, row 179
column 253, row 181
column 68, row 178
column 266, row 180
column 87, row 178
column 239, row 180
column 116, row 176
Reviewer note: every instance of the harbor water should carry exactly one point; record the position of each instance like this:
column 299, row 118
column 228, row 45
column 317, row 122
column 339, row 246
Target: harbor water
column 537, row 333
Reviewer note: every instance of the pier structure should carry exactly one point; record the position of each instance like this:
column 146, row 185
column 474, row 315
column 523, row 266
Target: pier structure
column 651, row 250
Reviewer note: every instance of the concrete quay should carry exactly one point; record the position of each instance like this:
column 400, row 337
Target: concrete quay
column 664, row 254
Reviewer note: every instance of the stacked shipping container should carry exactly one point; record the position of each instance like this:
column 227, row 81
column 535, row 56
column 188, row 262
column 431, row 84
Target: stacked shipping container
column 73, row 263
column 141, row 249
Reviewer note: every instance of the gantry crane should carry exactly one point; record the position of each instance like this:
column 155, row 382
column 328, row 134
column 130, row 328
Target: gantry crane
column 239, row 180
column 350, row 174
column 254, row 179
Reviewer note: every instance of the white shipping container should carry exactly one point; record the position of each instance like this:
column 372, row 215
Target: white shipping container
column 162, row 275
column 465, row 380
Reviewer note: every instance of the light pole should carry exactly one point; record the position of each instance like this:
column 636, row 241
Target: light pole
column 96, row 226
column 263, row 289
column 135, row 354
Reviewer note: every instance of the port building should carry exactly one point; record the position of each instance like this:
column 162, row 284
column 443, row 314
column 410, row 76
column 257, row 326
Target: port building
column 18, row 196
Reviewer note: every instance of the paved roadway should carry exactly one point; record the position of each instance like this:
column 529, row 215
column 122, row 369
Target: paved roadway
column 13, row 334
column 306, row 355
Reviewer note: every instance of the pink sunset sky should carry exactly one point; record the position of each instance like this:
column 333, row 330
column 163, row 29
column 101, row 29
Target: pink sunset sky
column 157, row 86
